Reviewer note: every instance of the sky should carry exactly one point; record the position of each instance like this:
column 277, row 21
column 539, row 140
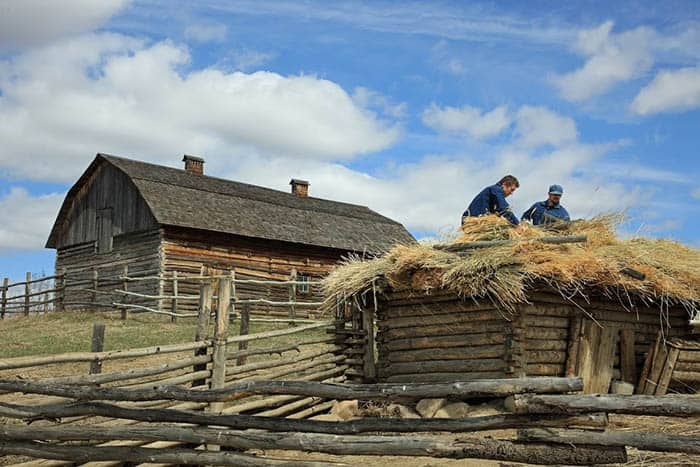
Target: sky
column 409, row 108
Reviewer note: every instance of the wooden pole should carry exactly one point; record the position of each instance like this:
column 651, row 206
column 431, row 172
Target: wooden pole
column 218, row 373
column 3, row 298
column 125, row 288
column 27, row 291
column 61, row 305
column 234, row 295
column 292, row 296
column 245, row 329
column 671, row 406
column 173, row 301
column 368, row 365
column 202, row 332
column 98, row 344
column 366, row 445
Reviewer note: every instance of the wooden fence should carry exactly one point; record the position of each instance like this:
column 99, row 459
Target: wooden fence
column 45, row 294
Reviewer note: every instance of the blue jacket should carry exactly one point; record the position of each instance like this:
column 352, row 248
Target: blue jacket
column 537, row 212
column 491, row 200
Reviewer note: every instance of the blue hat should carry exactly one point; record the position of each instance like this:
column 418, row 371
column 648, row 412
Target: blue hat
column 556, row 190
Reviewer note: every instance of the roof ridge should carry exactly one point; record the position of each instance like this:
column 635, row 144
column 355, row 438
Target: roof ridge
column 380, row 217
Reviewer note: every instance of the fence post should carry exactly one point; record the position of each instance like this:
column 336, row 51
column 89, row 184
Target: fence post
column 3, row 299
column 173, row 301
column 61, row 304
column 125, row 287
column 218, row 371
column 27, row 291
column 203, row 313
column 292, row 296
column 234, row 296
column 98, row 345
column 245, row 329
column 95, row 278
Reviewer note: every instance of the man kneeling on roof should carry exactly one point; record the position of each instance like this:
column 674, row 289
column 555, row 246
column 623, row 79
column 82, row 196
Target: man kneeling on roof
column 492, row 200
column 548, row 211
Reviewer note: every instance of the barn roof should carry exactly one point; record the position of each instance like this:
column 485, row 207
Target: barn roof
column 183, row 199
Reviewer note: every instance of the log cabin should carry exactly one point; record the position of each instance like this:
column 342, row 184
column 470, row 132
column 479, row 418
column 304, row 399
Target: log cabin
column 129, row 218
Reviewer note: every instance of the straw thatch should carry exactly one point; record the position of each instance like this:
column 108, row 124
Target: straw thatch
column 503, row 274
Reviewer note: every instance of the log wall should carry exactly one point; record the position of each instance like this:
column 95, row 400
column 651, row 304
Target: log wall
column 186, row 251
column 440, row 337
column 85, row 268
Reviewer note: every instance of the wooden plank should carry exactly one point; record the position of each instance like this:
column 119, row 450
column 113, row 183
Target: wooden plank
column 605, row 357
column 244, row 330
column 173, row 301
column 646, row 367
column 657, row 367
column 27, row 291
column 3, row 297
column 628, row 364
column 369, row 358
column 665, row 377
column 98, row 344
column 573, row 349
column 218, row 373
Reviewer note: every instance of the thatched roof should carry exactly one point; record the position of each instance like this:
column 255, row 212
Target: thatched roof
column 503, row 274
column 182, row 199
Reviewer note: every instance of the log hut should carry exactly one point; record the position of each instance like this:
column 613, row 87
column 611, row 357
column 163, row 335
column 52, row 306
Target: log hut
column 493, row 306
column 124, row 216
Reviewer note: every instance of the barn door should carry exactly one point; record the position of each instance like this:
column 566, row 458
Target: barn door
column 596, row 356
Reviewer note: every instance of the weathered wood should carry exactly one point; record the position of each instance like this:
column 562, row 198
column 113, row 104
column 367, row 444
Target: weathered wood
column 448, row 353
column 244, row 422
column 202, row 331
column 277, row 333
column 628, row 363
column 466, row 246
column 665, row 377
column 672, row 406
column 173, row 301
column 125, row 288
column 442, row 377
column 244, row 329
column 440, row 342
column 687, row 376
column 98, row 345
column 467, row 389
column 137, row 454
column 27, row 291
column 596, row 356
column 369, row 359
column 657, row 366
column 445, row 366
column 447, row 329
column 218, row 372
column 646, row 367
column 3, row 297
column 292, row 293
column 424, row 446
column 662, row 442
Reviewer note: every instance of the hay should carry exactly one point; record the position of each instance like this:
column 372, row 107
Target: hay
column 503, row 274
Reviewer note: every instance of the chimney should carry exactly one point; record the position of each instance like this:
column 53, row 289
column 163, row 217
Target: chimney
column 300, row 187
column 194, row 164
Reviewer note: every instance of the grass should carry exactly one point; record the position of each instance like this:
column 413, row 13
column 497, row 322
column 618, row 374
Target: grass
column 72, row 332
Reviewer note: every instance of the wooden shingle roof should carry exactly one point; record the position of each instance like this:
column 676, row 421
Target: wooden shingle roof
column 182, row 199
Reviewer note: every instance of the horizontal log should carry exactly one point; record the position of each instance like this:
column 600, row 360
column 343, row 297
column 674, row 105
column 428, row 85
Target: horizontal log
column 277, row 333
column 449, row 353
column 547, row 322
column 443, row 377
column 686, row 376
column 672, row 406
column 443, row 341
column 545, row 356
column 171, row 455
column 466, row 246
column 545, row 369
column 448, row 329
column 377, row 445
column 661, row 442
column 244, row 422
column 445, row 366
column 428, row 317
column 393, row 311
column 545, row 344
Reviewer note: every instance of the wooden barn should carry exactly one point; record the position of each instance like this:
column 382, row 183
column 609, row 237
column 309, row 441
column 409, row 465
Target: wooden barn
column 580, row 303
column 129, row 218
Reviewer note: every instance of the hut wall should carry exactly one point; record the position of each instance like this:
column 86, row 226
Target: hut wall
column 139, row 251
column 440, row 338
column 187, row 251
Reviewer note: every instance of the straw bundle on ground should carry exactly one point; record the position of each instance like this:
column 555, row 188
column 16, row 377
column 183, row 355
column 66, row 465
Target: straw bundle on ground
column 503, row 274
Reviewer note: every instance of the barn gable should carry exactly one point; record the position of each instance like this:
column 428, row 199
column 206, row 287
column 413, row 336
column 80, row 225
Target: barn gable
column 152, row 195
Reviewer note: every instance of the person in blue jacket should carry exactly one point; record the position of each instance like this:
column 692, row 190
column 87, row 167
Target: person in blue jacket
column 548, row 211
column 492, row 200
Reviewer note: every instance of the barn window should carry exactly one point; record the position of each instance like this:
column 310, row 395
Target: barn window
column 303, row 289
column 104, row 230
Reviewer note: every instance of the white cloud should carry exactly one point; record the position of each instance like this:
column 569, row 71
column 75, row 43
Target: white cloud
column 108, row 93
column 537, row 126
column 469, row 121
column 611, row 59
column 369, row 99
column 33, row 22
column 32, row 216
column 206, row 32
column 671, row 90
column 245, row 60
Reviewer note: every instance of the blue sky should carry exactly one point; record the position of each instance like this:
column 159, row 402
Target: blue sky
column 407, row 107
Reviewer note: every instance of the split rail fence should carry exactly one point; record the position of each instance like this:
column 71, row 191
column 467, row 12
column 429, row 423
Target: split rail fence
column 177, row 296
